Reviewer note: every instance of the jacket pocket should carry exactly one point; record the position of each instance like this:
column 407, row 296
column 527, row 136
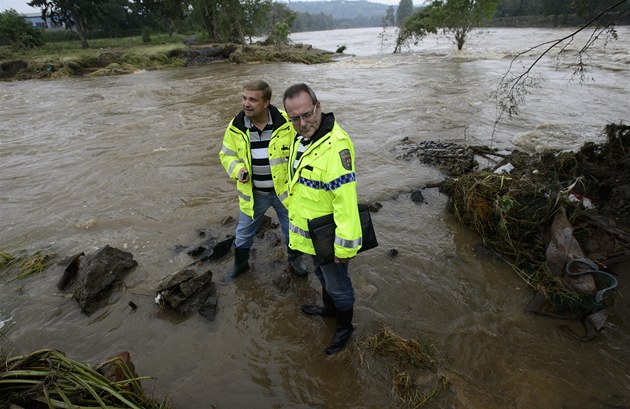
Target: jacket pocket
column 311, row 185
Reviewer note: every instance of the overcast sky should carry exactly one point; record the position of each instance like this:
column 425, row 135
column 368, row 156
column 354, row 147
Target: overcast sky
column 18, row 5
column 21, row 7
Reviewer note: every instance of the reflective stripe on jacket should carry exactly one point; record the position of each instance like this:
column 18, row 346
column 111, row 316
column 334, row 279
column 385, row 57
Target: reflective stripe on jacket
column 235, row 155
column 324, row 183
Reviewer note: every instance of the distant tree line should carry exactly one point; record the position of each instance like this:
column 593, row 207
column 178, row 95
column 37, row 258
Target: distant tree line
column 587, row 8
column 220, row 20
column 241, row 20
column 547, row 12
column 321, row 21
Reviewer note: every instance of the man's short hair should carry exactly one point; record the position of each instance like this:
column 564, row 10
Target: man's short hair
column 295, row 89
column 259, row 85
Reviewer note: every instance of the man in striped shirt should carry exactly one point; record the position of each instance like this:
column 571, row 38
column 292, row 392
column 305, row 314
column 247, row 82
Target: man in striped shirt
column 255, row 153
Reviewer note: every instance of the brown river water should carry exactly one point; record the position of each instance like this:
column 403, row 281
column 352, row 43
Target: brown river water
column 132, row 162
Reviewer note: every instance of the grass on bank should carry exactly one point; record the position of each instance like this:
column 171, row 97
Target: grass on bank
column 111, row 56
column 104, row 57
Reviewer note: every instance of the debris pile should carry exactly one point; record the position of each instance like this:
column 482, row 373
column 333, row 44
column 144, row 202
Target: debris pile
column 544, row 212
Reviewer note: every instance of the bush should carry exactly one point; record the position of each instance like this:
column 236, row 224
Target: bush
column 17, row 32
column 279, row 35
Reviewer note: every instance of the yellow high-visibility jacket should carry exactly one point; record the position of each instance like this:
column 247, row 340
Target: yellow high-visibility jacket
column 324, row 182
column 236, row 154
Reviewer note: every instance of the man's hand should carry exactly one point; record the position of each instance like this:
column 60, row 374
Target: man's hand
column 243, row 175
column 342, row 260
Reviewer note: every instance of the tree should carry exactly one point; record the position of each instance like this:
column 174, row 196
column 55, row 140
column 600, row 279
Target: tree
column 404, row 10
column 223, row 20
column 455, row 18
column 279, row 35
column 256, row 17
column 160, row 14
column 17, row 32
column 77, row 15
column 280, row 13
column 389, row 20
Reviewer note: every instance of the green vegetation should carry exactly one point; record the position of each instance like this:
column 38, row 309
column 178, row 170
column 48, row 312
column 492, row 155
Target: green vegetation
column 404, row 10
column 6, row 259
column 24, row 265
column 113, row 56
column 17, row 32
column 48, row 378
column 456, row 18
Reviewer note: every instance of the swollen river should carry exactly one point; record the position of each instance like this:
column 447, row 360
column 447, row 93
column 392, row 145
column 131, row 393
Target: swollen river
column 132, row 162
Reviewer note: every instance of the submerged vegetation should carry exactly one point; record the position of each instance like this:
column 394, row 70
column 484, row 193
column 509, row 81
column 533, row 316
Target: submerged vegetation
column 411, row 364
column 24, row 265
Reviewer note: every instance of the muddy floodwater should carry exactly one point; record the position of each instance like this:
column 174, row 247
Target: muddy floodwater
column 132, row 162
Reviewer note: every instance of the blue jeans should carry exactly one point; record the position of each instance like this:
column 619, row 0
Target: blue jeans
column 336, row 281
column 246, row 229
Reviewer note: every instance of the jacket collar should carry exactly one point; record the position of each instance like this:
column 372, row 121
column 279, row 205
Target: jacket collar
column 276, row 117
column 328, row 121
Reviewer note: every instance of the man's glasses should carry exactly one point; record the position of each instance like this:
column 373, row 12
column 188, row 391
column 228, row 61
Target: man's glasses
column 305, row 117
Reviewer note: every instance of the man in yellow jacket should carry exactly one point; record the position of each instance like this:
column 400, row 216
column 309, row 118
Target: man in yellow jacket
column 254, row 153
column 322, row 180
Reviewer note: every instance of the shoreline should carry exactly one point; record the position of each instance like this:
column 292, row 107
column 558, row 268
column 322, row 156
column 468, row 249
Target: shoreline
column 119, row 61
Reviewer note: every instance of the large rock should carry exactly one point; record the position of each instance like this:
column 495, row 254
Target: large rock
column 98, row 273
column 185, row 291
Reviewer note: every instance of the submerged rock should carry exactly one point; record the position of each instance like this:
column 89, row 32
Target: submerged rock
column 98, row 273
column 185, row 291
column 211, row 249
column 70, row 266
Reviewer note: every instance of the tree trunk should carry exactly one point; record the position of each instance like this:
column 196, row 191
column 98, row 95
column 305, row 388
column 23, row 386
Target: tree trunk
column 460, row 38
column 207, row 17
column 79, row 30
column 237, row 34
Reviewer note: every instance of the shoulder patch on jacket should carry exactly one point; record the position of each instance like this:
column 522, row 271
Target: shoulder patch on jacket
column 346, row 159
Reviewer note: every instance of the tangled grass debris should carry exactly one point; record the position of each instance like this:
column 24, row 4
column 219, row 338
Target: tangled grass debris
column 411, row 364
column 513, row 212
column 23, row 264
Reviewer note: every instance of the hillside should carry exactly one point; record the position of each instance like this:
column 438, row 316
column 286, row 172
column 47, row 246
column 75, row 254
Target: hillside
column 340, row 9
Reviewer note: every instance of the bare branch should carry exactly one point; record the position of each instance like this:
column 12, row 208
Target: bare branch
column 513, row 89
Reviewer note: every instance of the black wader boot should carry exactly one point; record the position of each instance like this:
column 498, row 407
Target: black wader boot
column 343, row 333
column 296, row 264
column 327, row 311
column 241, row 264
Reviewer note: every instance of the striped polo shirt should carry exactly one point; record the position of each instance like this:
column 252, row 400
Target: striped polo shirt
column 259, row 145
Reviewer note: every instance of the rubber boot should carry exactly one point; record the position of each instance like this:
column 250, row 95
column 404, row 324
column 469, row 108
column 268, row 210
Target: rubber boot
column 343, row 332
column 296, row 264
column 327, row 311
column 241, row 264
